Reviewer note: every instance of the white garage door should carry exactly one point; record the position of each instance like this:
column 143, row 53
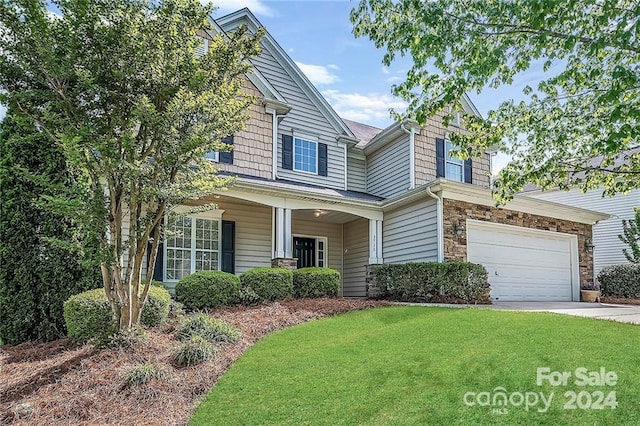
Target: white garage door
column 524, row 264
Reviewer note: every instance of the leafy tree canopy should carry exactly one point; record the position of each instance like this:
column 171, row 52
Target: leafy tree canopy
column 118, row 85
column 576, row 126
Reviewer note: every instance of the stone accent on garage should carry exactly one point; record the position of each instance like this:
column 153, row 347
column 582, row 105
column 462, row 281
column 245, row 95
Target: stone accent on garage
column 457, row 212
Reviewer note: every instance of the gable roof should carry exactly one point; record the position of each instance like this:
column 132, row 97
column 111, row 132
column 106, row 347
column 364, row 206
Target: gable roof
column 244, row 16
column 362, row 131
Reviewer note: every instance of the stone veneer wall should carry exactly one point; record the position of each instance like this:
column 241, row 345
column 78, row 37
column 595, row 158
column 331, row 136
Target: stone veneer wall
column 455, row 249
column 252, row 147
column 426, row 154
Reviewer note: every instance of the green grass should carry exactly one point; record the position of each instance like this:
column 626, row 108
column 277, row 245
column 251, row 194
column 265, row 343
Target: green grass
column 413, row 365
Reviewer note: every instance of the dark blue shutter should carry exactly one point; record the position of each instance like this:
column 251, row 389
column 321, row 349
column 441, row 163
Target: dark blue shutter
column 468, row 170
column 322, row 159
column 158, row 274
column 287, row 152
column 227, row 157
column 228, row 247
column 440, row 157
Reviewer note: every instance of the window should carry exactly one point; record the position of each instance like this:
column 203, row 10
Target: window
column 203, row 46
column 454, row 167
column 305, row 155
column 321, row 252
column 212, row 155
column 192, row 245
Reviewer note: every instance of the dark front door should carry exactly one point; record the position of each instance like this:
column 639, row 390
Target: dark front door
column 305, row 250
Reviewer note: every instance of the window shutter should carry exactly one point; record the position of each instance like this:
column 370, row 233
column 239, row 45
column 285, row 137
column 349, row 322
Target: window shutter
column 440, row 157
column 227, row 157
column 228, row 247
column 158, row 274
column 322, row 159
column 203, row 47
column 468, row 170
column 287, row 152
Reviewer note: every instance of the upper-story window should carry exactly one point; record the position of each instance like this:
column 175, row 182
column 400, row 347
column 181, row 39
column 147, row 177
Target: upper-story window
column 305, row 154
column 454, row 168
column 222, row 157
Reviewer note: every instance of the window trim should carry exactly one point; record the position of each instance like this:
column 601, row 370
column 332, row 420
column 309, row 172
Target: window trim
column 454, row 161
column 324, row 240
column 216, row 156
column 213, row 215
column 305, row 138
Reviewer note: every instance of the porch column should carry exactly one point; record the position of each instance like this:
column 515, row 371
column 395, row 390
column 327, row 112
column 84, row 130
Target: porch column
column 375, row 241
column 283, row 233
column 288, row 240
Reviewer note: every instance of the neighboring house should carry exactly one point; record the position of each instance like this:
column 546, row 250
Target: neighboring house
column 607, row 248
column 316, row 190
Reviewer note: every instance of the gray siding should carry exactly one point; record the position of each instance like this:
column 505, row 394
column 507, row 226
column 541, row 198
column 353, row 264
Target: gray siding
column 608, row 247
column 388, row 169
column 356, row 257
column 356, row 173
column 253, row 234
column 409, row 234
column 304, row 117
column 332, row 231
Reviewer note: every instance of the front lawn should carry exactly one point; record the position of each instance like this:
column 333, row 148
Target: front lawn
column 415, row 365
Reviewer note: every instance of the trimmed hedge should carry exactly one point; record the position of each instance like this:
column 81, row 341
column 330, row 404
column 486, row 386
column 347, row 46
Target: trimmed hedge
column 620, row 280
column 451, row 282
column 316, row 282
column 268, row 283
column 208, row 289
column 88, row 315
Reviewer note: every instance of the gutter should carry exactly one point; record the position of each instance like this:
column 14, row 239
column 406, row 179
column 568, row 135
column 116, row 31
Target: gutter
column 439, row 225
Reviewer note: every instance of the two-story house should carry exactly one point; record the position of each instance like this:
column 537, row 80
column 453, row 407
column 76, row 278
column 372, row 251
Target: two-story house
column 314, row 189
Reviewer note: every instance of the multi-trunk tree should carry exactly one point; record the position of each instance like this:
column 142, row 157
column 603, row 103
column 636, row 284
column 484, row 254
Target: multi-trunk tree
column 580, row 124
column 118, row 86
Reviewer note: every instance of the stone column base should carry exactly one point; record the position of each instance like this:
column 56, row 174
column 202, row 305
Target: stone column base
column 290, row 263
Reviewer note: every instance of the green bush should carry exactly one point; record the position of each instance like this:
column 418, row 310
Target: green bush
column 88, row 315
column 142, row 373
column 620, row 280
column 316, row 282
column 452, row 282
column 195, row 351
column 208, row 289
column 268, row 283
column 211, row 329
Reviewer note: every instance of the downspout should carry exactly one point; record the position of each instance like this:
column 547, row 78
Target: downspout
column 412, row 156
column 440, row 224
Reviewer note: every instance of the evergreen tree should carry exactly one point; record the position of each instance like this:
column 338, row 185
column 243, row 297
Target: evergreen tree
column 631, row 237
column 37, row 274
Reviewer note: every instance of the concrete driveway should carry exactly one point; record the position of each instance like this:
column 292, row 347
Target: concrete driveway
column 621, row 313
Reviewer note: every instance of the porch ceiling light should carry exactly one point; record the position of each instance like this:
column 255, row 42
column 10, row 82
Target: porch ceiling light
column 318, row 213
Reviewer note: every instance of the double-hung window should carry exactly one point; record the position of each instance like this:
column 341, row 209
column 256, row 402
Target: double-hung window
column 192, row 244
column 305, row 154
column 453, row 165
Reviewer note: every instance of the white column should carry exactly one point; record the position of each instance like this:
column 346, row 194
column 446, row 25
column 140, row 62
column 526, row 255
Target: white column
column 279, row 237
column 379, row 240
column 288, row 240
column 373, row 241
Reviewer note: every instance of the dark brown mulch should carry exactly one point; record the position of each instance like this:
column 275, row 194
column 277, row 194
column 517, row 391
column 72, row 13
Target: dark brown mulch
column 619, row 300
column 29, row 351
column 85, row 386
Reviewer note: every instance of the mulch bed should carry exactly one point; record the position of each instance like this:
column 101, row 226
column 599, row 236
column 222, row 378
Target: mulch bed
column 61, row 383
column 619, row 301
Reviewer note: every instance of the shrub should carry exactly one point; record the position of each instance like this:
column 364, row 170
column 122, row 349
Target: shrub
column 208, row 289
column 268, row 283
column 88, row 315
column 142, row 373
column 620, row 280
column 316, row 282
column 211, row 329
column 195, row 351
column 432, row 282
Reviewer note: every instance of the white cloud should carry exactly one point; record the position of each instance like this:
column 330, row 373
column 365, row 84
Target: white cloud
column 319, row 74
column 385, row 70
column 371, row 108
column 258, row 7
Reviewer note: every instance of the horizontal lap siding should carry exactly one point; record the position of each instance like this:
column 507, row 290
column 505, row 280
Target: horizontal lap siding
column 306, row 118
column 388, row 169
column 410, row 234
column 333, row 233
column 608, row 247
column 356, row 257
column 356, row 174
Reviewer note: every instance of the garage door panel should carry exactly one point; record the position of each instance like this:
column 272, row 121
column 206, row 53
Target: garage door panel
column 522, row 265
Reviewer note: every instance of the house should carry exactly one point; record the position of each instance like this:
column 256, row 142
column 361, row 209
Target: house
column 314, row 189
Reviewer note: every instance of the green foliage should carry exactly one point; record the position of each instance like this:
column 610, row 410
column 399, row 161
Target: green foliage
column 208, row 289
column 44, row 256
column 316, row 282
column 197, row 350
column 88, row 315
column 142, row 373
column 631, row 237
column 211, row 329
column 620, row 280
column 118, row 86
column 432, row 282
column 129, row 338
column 575, row 124
column 268, row 283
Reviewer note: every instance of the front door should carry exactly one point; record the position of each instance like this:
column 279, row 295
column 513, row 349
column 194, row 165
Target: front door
column 305, row 250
